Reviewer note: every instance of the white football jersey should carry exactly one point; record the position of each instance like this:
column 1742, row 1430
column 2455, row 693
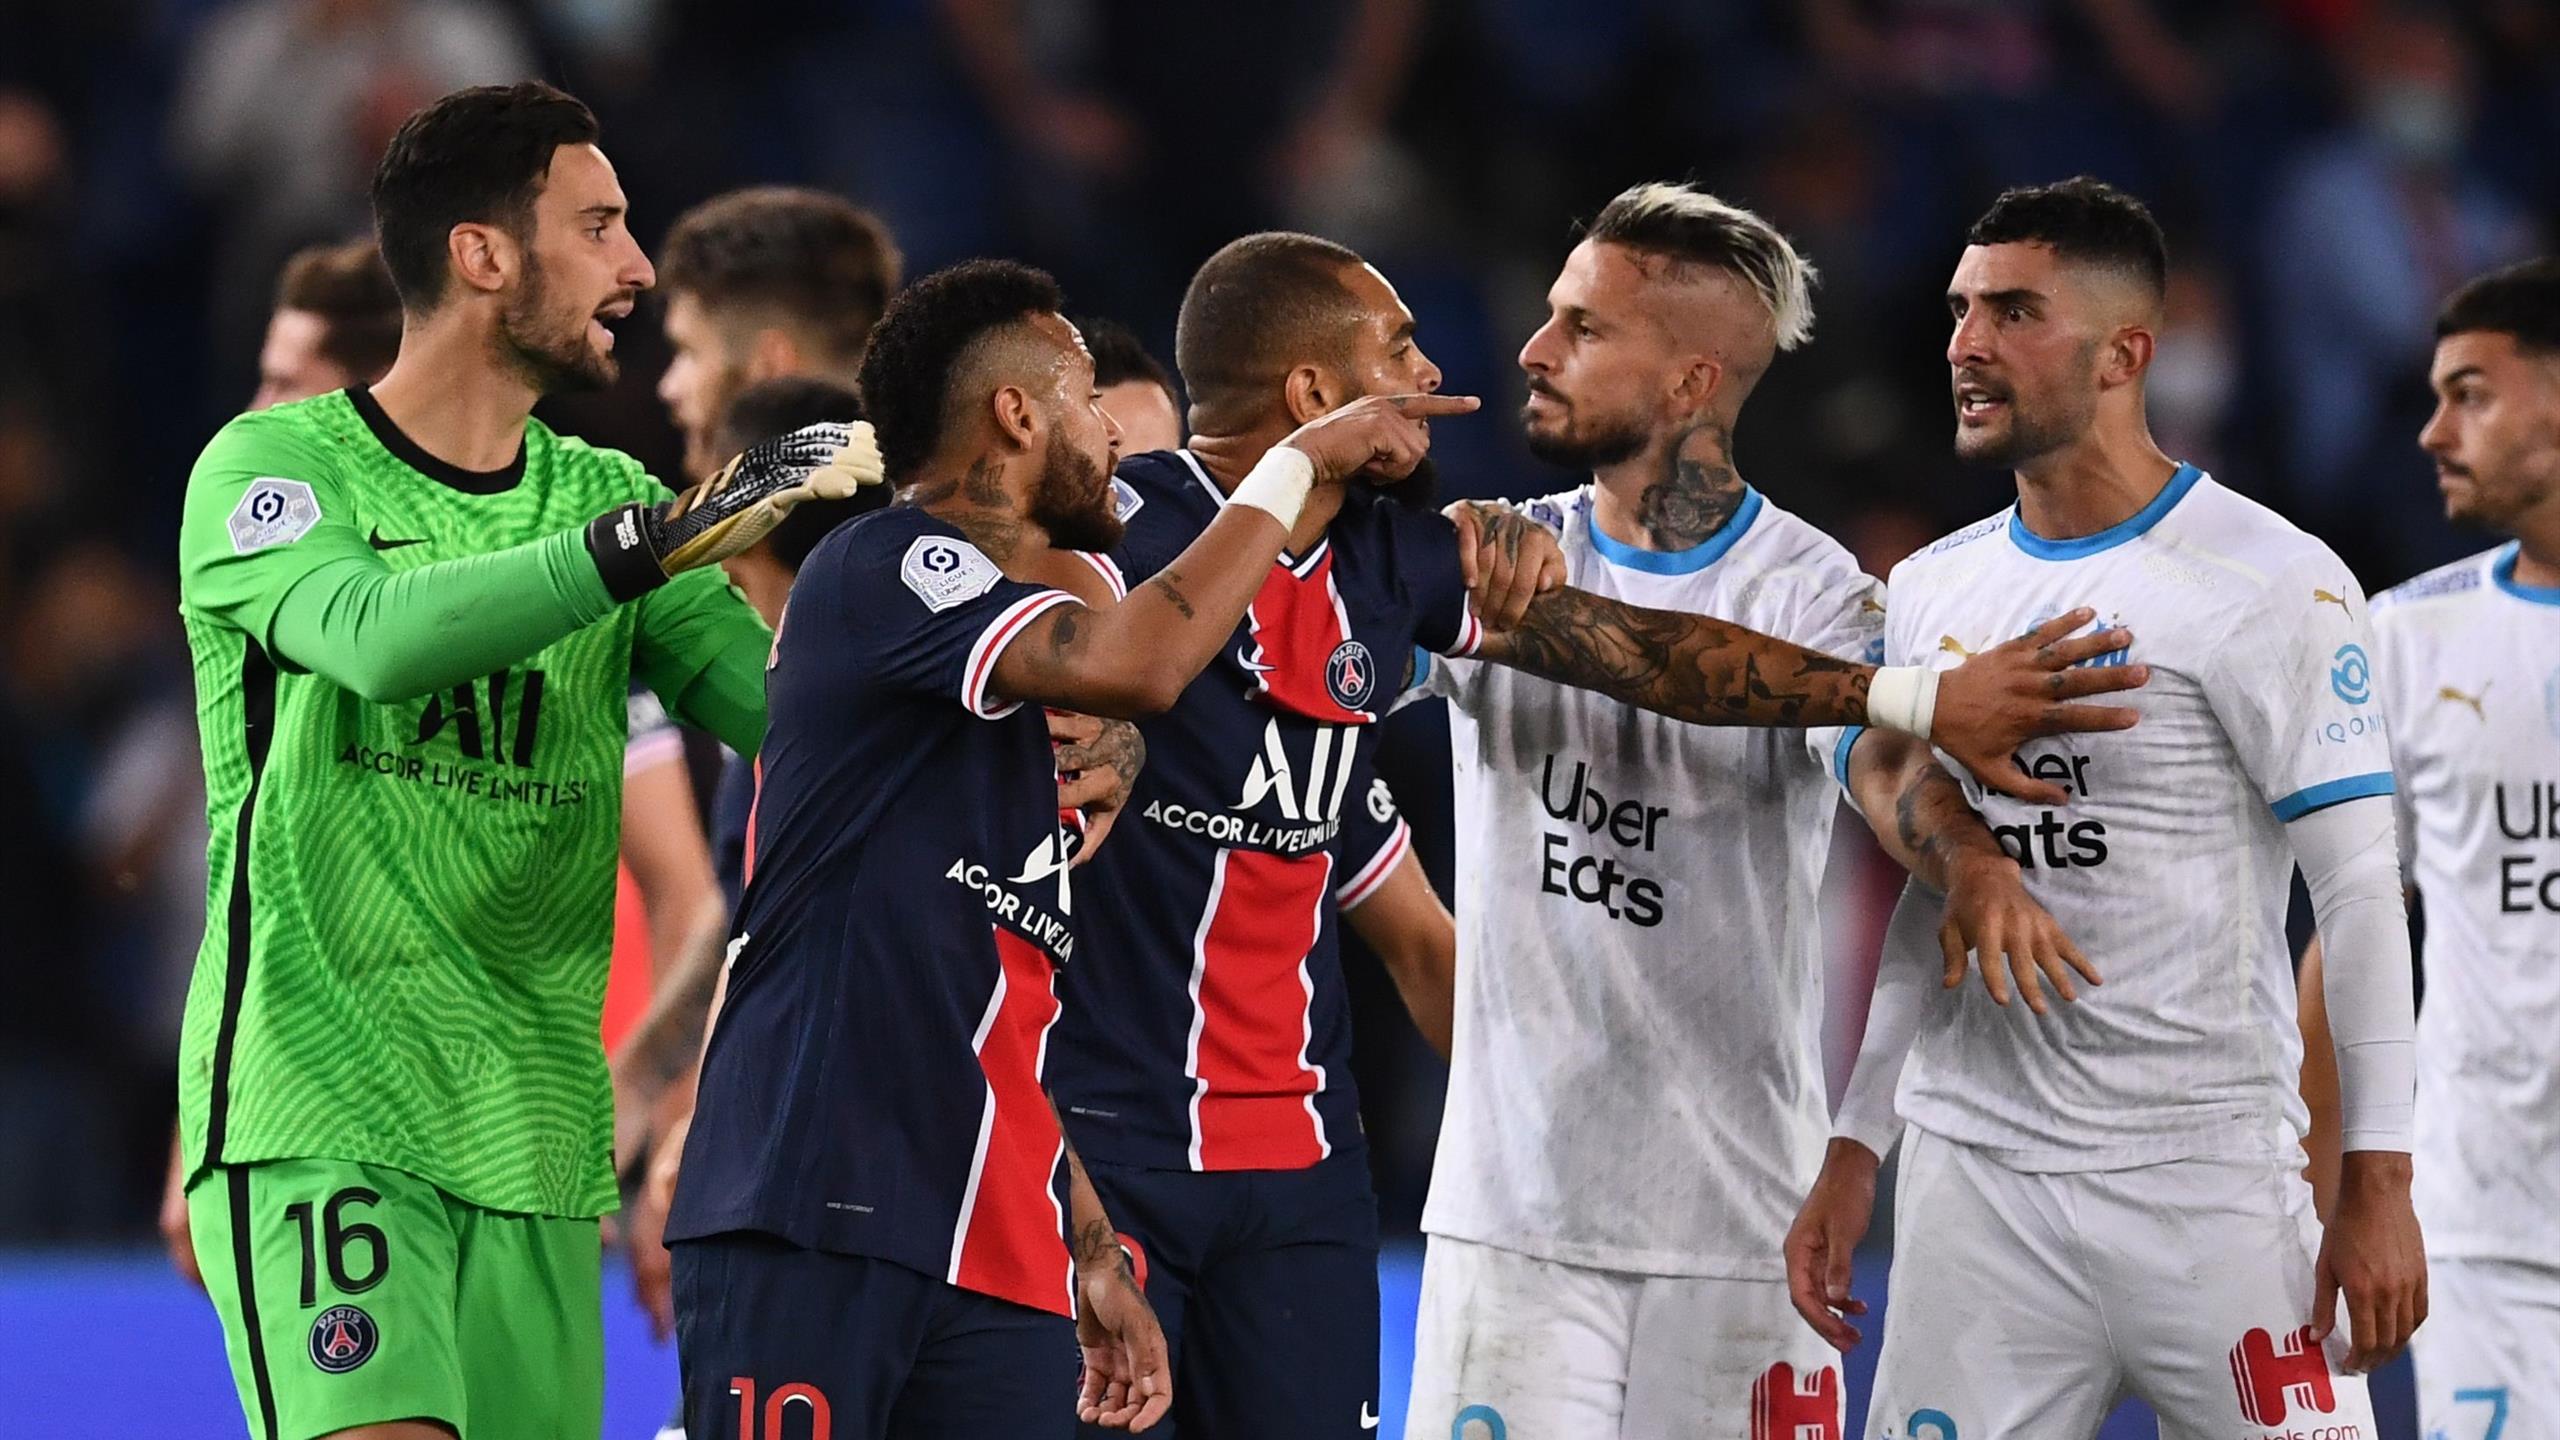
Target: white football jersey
column 1638, row 1082
column 2169, row 865
column 2469, row 669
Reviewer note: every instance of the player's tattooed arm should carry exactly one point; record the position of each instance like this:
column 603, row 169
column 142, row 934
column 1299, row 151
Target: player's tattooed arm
column 1712, row 672
column 1920, row 815
column 1690, row 667
column 1506, row 559
column 1128, row 1373
column 1098, row 765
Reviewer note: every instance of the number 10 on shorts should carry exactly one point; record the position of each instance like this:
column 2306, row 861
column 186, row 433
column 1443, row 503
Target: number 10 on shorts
column 776, row 1413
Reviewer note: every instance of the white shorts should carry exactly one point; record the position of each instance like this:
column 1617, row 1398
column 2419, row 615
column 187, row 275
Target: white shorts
column 2489, row 1355
column 2025, row 1307
column 1511, row 1347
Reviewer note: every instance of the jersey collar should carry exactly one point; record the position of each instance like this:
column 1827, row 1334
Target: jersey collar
column 2114, row 535
column 2502, row 573
column 408, row 452
column 1676, row 562
column 1299, row 565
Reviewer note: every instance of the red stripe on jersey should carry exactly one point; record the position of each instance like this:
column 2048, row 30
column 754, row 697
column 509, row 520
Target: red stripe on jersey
column 1011, row 1239
column 1253, row 1105
column 1109, row 569
column 755, row 802
column 990, row 647
column 1365, row 881
column 1303, row 656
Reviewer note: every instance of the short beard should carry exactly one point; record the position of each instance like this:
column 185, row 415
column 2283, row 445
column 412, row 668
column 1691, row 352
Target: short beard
column 2023, row 443
column 556, row 359
column 1594, row 452
column 1072, row 500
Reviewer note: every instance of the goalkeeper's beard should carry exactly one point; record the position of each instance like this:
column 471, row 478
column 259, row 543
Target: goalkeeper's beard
column 551, row 350
column 1072, row 500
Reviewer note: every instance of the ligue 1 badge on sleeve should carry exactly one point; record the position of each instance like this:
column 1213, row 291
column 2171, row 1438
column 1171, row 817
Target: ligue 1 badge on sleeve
column 272, row 511
column 343, row 1338
column 945, row 572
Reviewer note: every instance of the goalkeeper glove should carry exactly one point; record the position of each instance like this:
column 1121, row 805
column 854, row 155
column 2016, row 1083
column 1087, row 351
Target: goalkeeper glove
column 639, row 547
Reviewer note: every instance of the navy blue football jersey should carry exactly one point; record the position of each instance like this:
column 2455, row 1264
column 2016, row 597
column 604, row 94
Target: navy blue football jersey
column 1207, row 1026
column 873, row 1084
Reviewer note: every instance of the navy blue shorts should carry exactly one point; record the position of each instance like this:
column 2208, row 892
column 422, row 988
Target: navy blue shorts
column 1266, row 1282
column 781, row 1343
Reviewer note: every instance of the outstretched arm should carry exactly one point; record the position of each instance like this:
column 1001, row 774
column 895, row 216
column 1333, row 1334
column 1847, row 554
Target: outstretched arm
column 1712, row 672
column 1134, row 658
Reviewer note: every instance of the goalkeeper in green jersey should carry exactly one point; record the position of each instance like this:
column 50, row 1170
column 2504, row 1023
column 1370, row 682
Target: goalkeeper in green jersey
column 415, row 614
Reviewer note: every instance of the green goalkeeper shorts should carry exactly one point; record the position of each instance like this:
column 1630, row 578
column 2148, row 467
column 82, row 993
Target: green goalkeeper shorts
column 357, row 1295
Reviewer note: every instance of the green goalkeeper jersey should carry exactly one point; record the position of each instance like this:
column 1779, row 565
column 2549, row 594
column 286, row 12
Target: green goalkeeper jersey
column 409, row 912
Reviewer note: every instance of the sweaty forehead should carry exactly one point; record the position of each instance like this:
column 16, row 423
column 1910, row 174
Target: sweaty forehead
column 1053, row 345
column 1375, row 299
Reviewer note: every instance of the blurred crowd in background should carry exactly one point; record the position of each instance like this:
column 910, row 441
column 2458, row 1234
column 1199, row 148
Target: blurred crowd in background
column 2327, row 170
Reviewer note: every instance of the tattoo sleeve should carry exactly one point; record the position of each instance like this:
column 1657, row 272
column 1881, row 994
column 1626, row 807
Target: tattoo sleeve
column 1689, row 667
column 1119, row 747
column 1092, row 1239
column 1933, row 822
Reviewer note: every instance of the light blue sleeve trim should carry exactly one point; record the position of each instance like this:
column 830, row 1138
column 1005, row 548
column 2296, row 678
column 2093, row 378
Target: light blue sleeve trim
column 1840, row 753
column 2332, row 792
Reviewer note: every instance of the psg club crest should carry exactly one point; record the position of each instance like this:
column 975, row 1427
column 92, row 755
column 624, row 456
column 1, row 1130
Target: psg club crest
column 1350, row 676
column 342, row 1339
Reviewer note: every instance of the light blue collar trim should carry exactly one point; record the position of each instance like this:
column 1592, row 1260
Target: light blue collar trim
column 2114, row 535
column 2502, row 571
column 1680, row 562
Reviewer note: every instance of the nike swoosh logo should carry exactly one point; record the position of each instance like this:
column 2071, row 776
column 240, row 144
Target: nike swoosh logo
column 377, row 542
column 1368, row 1416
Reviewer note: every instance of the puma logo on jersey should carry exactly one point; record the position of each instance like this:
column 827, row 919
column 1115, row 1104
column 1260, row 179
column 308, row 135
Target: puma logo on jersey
column 2447, row 692
column 2323, row 597
column 1869, row 605
column 1953, row 646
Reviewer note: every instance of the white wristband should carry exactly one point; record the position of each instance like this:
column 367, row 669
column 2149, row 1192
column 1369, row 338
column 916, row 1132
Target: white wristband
column 1277, row 485
column 1904, row 698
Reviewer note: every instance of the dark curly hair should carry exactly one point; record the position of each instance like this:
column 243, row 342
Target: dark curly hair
column 818, row 258
column 2522, row 300
column 2082, row 219
column 921, row 339
column 477, row 156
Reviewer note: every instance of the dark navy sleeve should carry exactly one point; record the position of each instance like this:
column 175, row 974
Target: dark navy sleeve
column 1147, row 493
column 731, row 804
column 1375, row 837
column 928, row 612
column 1425, row 546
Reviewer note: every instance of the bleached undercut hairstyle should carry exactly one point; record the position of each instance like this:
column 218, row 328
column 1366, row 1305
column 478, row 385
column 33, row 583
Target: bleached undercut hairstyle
column 1687, row 227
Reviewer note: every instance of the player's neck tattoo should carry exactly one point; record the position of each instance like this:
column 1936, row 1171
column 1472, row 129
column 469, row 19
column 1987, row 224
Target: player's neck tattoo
column 1697, row 494
column 975, row 504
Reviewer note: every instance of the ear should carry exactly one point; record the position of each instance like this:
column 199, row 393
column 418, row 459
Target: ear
column 1694, row 390
column 772, row 352
column 484, row 256
column 1309, row 391
column 1017, row 421
column 2126, row 356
